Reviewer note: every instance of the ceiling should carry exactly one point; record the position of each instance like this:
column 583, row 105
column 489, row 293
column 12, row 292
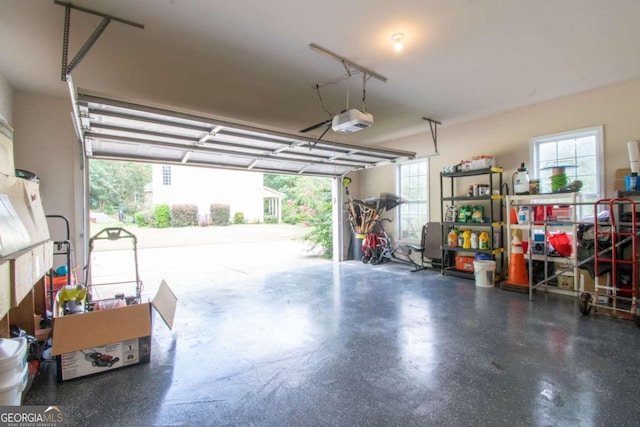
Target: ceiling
column 250, row 60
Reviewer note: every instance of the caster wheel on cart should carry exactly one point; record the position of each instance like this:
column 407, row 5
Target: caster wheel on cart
column 583, row 305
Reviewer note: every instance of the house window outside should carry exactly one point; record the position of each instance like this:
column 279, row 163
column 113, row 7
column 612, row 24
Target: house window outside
column 412, row 184
column 166, row 175
column 582, row 151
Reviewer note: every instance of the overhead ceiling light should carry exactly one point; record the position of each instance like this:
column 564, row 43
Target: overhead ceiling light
column 397, row 41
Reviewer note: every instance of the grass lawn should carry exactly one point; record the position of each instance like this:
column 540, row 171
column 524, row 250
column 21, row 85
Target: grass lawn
column 148, row 237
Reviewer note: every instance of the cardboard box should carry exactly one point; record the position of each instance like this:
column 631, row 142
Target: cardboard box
column 588, row 283
column 619, row 184
column 26, row 267
column 565, row 282
column 22, row 219
column 38, row 262
column 104, row 358
column 482, row 162
column 123, row 332
column 37, row 221
column 21, row 267
column 15, row 236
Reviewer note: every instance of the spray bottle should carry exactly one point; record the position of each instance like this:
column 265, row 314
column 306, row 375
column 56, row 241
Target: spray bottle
column 521, row 180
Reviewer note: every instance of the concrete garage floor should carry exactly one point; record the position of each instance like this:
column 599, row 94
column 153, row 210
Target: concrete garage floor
column 351, row 344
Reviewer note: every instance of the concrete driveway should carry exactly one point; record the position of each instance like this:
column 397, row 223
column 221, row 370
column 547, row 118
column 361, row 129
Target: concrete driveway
column 207, row 256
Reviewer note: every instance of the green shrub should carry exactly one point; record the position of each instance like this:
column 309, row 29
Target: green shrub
column 144, row 219
column 110, row 210
column 184, row 215
column 162, row 214
column 270, row 219
column 321, row 234
column 238, row 218
column 219, row 214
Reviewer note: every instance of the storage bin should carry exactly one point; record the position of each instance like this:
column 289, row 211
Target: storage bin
column 14, row 370
column 13, row 359
column 464, row 263
column 11, row 395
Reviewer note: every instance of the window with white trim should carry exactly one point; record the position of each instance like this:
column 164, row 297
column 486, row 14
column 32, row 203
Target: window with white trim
column 412, row 184
column 166, row 175
column 580, row 152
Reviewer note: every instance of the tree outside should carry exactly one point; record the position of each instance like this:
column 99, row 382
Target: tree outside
column 308, row 202
column 117, row 187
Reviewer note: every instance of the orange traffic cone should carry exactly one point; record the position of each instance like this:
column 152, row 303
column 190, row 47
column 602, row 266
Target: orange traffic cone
column 518, row 275
column 514, row 216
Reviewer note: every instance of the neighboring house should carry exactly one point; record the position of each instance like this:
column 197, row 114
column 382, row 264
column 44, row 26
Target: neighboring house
column 273, row 203
column 242, row 191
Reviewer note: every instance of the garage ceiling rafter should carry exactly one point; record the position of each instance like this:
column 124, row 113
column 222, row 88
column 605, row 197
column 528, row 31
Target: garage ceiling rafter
column 122, row 130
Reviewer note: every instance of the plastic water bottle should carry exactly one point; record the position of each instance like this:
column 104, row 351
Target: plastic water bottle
column 474, row 240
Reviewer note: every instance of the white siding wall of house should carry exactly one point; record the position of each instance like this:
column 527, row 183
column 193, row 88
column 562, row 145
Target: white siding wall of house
column 242, row 191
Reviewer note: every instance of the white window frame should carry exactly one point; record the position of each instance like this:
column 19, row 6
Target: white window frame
column 398, row 226
column 596, row 131
column 167, row 178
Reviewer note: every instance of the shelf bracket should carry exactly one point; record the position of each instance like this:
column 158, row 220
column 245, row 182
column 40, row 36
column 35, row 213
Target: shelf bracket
column 67, row 67
column 433, row 125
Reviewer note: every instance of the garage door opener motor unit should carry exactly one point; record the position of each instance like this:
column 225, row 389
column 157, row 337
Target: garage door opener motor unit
column 351, row 121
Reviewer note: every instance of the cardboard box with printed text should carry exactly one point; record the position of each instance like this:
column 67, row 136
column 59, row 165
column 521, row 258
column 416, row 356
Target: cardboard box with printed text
column 89, row 343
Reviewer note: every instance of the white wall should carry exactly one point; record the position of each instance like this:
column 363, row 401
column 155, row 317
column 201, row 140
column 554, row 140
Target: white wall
column 506, row 136
column 6, row 101
column 242, row 191
column 45, row 143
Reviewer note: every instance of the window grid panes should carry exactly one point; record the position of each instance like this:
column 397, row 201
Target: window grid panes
column 579, row 152
column 412, row 185
column 166, row 175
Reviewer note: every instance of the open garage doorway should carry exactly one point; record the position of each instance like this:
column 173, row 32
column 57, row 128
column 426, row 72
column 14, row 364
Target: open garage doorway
column 204, row 225
column 125, row 130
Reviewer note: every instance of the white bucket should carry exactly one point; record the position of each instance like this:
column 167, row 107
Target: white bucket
column 13, row 359
column 11, row 395
column 484, row 272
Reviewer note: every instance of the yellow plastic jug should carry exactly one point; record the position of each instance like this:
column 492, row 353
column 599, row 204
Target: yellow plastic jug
column 483, row 240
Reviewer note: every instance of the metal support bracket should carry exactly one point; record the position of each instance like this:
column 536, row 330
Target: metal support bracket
column 67, row 67
column 319, row 138
column 348, row 63
column 433, row 124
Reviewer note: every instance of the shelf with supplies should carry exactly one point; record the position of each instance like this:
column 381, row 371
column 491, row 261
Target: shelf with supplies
column 548, row 225
column 471, row 208
column 26, row 251
column 472, row 198
column 474, row 224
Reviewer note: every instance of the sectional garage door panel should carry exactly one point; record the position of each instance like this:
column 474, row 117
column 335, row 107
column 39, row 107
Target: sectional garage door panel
column 117, row 129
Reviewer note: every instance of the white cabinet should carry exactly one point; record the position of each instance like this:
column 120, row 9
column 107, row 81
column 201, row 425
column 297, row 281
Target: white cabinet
column 539, row 217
